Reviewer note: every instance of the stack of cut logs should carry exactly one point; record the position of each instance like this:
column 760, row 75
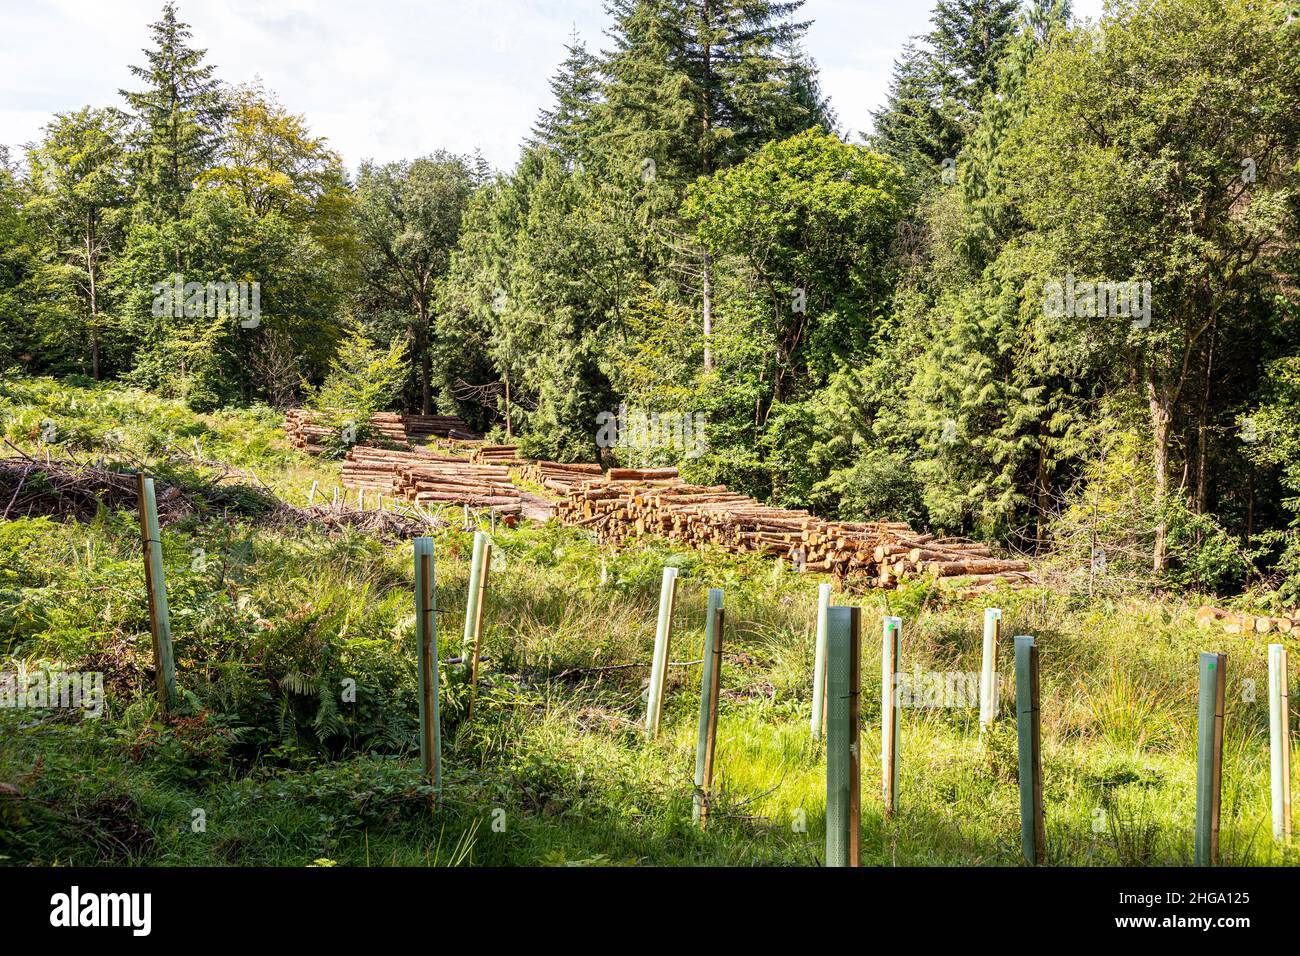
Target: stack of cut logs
column 437, row 426
column 628, row 502
column 306, row 429
column 1237, row 622
column 497, row 455
column 375, row 469
column 558, row 477
column 430, row 479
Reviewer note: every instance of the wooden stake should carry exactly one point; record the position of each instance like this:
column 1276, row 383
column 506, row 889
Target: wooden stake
column 989, row 670
column 311, row 495
column 1279, row 734
column 159, row 616
column 1028, row 726
column 710, row 683
column 819, row 662
column 843, row 735
column 663, row 637
column 890, row 735
column 426, row 633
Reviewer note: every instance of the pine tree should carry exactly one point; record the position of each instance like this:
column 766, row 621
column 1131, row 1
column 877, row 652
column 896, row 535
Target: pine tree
column 989, row 212
column 575, row 90
column 908, row 127
column 968, row 42
column 939, row 89
column 178, row 117
column 694, row 86
column 697, row 85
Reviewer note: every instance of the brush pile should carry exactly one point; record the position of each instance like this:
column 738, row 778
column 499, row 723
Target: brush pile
column 307, row 429
column 31, row 488
column 71, row 490
column 558, row 477
column 1237, row 622
column 390, row 525
column 626, row 503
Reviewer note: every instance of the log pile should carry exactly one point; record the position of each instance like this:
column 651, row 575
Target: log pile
column 1237, row 622
column 438, row 426
column 497, row 455
column 558, row 477
column 375, row 469
column 306, row 429
column 440, row 480
column 629, row 502
column 429, row 479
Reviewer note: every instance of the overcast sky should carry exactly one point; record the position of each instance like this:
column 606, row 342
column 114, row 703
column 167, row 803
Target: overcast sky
column 392, row 79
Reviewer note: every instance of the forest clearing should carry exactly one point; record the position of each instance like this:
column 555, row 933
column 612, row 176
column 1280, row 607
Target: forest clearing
column 272, row 617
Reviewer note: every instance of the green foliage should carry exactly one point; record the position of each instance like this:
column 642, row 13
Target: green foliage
column 178, row 117
column 408, row 216
column 363, row 379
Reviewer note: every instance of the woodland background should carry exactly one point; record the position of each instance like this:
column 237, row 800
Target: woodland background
column 689, row 230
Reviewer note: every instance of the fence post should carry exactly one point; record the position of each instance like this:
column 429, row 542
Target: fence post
column 1209, row 757
column 843, row 733
column 890, row 736
column 989, row 669
column 819, row 662
column 160, row 626
column 659, row 665
column 426, row 632
column 710, row 683
column 1279, row 735
column 1028, row 728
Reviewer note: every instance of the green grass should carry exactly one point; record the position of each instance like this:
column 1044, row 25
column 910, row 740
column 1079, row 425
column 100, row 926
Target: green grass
column 554, row 769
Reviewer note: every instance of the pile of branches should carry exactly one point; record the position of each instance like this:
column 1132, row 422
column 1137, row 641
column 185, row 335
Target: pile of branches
column 390, row 525
column 71, row 490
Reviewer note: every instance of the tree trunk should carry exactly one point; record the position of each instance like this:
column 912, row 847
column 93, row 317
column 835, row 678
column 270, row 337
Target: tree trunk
column 1203, row 437
column 510, row 428
column 1041, row 481
column 708, row 313
column 707, row 122
column 420, row 343
column 92, row 268
column 1161, row 415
